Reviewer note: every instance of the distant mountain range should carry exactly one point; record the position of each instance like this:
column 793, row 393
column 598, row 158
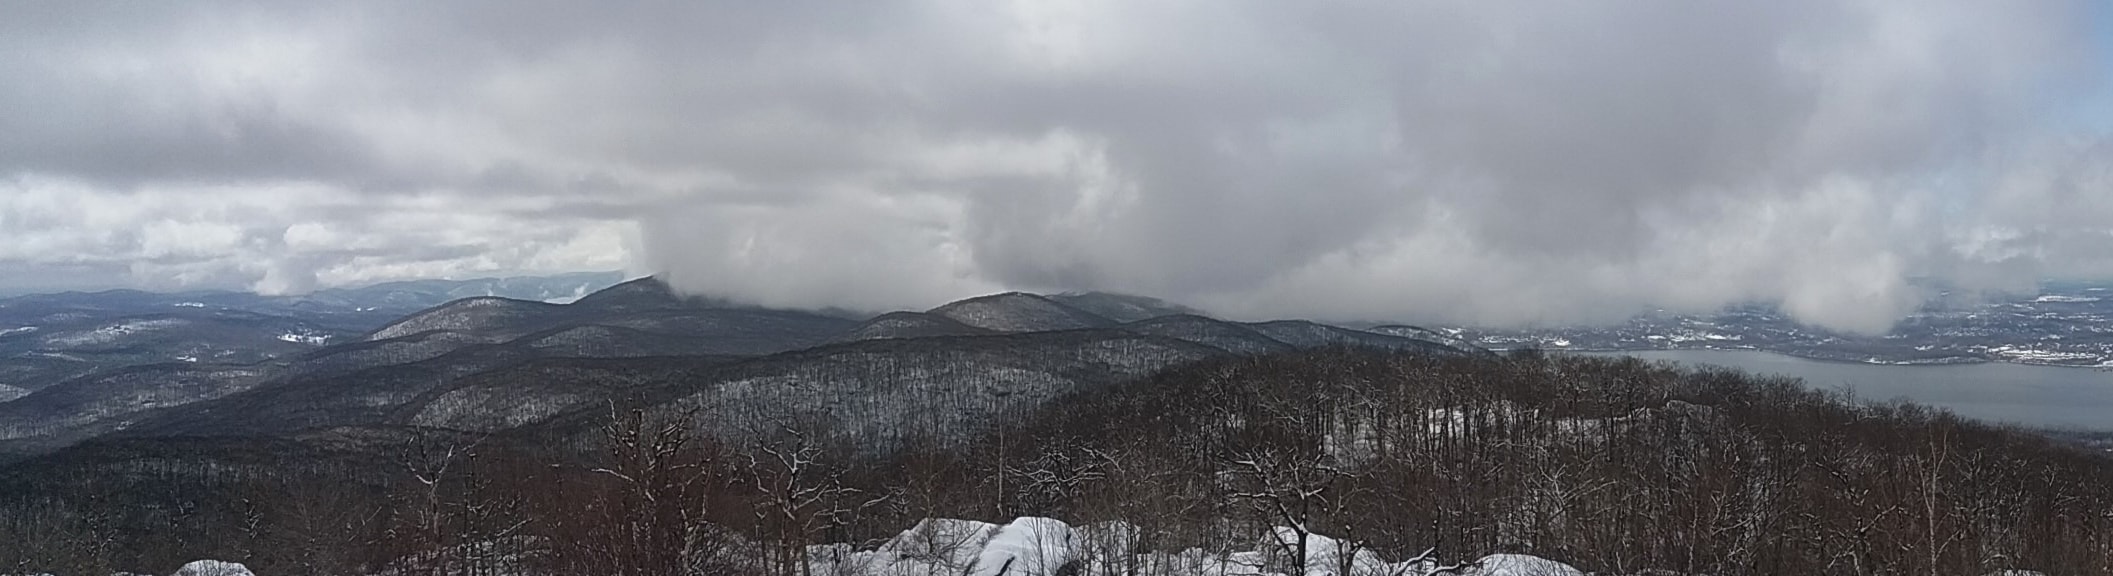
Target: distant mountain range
column 499, row 354
column 490, row 355
column 126, row 417
column 49, row 338
column 2064, row 325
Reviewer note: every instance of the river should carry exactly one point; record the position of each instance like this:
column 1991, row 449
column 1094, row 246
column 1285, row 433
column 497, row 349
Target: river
column 2037, row 396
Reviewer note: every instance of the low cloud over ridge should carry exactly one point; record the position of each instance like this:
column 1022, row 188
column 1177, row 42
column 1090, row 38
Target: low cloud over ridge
column 1488, row 162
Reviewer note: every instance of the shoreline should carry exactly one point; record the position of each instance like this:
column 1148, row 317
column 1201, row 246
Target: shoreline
column 1961, row 360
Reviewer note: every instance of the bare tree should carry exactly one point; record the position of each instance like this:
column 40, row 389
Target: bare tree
column 663, row 478
column 1293, row 490
column 801, row 494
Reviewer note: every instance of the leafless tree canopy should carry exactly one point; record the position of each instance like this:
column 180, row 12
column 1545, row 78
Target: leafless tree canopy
column 1615, row 466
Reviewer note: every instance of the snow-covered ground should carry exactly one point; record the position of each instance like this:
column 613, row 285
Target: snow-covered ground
column 200, row 568
column 1049, row 547
column 2036, row 355
column 111, row 333
column 213, row 568
column 305, row 337
column 1031, row 546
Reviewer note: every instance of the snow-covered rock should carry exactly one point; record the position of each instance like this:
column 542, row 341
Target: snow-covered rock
column 1519, row 565
column 1327, row 556
column 213, row 568
column 951, row 543
column 1029, row 546
column 1032, row 546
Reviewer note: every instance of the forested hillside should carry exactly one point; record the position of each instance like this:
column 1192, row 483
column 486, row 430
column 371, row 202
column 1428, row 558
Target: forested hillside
column 1349, row 461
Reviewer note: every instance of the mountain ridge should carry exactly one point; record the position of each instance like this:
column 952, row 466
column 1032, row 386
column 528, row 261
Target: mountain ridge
column 644, row 320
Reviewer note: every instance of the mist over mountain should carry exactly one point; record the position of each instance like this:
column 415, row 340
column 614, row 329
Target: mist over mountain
column 1490, row 165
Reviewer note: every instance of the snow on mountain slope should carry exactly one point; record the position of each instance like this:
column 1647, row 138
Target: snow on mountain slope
column 1019, row 312
column 1306, row 334
column 469, row 315
column 406, row 296
column 1421, row 333
column 10, row 392
column 90, row 405
column 640, row 295
column 359, row 398
column 376, row 353
column 910, row 325
column 1121, row 307
column 1220, row 334
column 109, row 333
column 597, row 341
column 883, row 391
column 640, row 305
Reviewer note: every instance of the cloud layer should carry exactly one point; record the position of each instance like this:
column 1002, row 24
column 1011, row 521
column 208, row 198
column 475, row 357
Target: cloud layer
column 1487, row 162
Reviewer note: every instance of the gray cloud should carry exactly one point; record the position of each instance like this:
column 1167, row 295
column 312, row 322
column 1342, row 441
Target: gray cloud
column 1491, row 162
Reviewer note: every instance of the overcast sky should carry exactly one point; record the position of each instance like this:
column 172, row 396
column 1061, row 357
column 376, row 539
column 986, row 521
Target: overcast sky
column 1485, row 162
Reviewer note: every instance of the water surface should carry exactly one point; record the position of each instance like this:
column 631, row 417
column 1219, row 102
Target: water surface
column 2041, row 396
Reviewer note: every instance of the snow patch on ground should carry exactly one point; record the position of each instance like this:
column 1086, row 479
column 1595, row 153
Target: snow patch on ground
column 1032, row 546
column 2022, row 354
column 111, row 333
column 213, row 568
column 4, row 332
column 1028, row 547
column 305, row 337
column 1685, row 336
column 11, row 392
column 940, row 542
column 1328, row 556
column 2061, row 298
